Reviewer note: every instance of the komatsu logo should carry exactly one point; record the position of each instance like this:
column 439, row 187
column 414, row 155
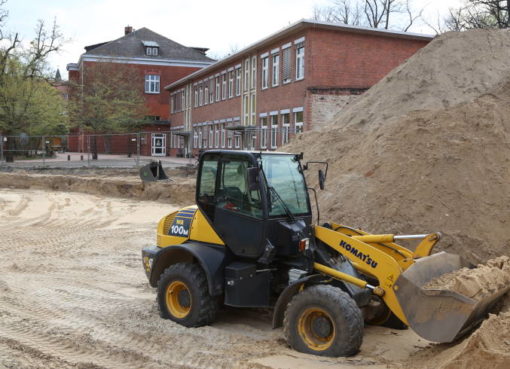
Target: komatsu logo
column 364, row 257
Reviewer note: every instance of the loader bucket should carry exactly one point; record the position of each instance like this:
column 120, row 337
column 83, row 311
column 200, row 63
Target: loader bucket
column 152, row 172
column 439, row 315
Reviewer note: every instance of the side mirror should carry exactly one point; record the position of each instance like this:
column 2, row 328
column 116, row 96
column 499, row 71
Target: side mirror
column 322, row 179
column 253, row 178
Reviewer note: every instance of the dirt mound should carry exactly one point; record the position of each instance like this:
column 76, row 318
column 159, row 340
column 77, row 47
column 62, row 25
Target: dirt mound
column 476, row 283
column 427, row 148
column 179, row 192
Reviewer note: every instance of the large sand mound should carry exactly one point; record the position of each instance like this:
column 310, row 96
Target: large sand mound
column 427, row 148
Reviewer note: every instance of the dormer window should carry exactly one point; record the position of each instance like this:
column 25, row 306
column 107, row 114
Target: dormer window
column 151, row 48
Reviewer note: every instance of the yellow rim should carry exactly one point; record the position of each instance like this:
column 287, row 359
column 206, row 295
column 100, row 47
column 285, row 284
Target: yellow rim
column 176, row 295
column 316, row 328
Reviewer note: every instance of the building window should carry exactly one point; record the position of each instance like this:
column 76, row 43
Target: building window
column 265, row 76
column 276, row 70
column 200, row 96
column 237, row 140
column 286, row 65
column 229, row 139
column 263, row 132
column 223, row 134
column 246, row 110
column 224, row 86
column 300, row 62
column 285, row 128
column 152, row 84
column 195, row 138
column 211, row 136
column 247, row 74
column 200, row 138
column 238, row 81
column 211, row 90
column 252, row 109
column 274, row 130
column 254, row 72
column 204, row 137
column 183, row 100
column 195, row 104
column 206, row 93
column 298, row 122
column 151, row 51
column 218, row 96
column 216, row 136
column 230, row 84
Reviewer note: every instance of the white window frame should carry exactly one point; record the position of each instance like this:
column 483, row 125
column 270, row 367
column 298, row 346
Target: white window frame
column 218, row 89
column 206, row 93
column 253, row 72
column 274, row 131
column 229, row 139
column 211, row 90
column 286, row 53
column 300, row 62
column 196, row 97
column 247, row 74
column 275, row 79
column 246, row 109
column 263, row 132
column 265, row 72
column 223, row 134
column 211, row 137
column 238, row 81
column 237, row 141
column 152, row 83
column 285, row 128
column 224, row 86
column 200, row 96
column 252, row 109
column 230, row 84
column 298, row 125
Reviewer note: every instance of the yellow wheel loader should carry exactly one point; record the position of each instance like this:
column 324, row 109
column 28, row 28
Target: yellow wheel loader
column 250, row 241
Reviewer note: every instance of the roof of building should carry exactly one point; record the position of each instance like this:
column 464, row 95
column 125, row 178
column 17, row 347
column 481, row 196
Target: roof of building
column 295, row 27
column 133, row 45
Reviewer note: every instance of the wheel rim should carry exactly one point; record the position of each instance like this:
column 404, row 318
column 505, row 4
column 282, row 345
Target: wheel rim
column 316, row 328
column 178, row 299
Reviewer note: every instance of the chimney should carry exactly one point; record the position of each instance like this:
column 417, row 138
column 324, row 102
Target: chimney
column 128, row 30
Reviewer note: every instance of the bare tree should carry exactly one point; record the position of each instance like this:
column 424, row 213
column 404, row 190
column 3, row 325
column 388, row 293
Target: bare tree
column 371, row 13
column 485, row 14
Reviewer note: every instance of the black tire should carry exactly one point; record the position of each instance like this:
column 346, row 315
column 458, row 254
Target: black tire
column 193, row 306
column 335, row 316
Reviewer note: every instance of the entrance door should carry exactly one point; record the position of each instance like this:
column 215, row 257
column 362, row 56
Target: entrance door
column 158, row 144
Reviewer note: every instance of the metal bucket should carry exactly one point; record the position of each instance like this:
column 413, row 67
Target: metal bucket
column 153, row 172
column 440, row 315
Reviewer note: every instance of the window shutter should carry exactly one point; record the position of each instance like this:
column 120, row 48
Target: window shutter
column 286, row 65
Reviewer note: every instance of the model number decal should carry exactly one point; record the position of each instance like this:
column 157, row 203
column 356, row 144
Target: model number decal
column 180, row 227
column 364, row 257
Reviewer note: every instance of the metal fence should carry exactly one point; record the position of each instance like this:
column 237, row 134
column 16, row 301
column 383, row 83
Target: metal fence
column 131, row 150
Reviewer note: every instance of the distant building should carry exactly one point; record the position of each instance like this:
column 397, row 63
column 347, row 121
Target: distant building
column 157, row 60
column 289, row 82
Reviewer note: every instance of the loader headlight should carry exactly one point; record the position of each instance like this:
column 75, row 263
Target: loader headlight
column 304, row 244
column 147, row 263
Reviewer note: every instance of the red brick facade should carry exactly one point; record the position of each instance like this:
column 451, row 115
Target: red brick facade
column 339, row 61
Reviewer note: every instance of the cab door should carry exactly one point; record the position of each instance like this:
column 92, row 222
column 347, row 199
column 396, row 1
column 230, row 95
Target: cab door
column 235, row 211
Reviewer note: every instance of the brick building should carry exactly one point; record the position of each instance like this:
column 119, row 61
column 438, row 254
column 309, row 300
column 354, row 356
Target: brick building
column 291, row 81
column 152, row 61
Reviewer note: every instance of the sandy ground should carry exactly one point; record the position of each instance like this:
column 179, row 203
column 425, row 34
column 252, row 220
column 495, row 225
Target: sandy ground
column 73, row 295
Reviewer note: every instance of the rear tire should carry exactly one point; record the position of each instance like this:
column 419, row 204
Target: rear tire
column 183, row 296
column 323, row 320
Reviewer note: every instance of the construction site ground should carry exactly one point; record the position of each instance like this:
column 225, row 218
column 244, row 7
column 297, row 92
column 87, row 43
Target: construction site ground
column 73, row 293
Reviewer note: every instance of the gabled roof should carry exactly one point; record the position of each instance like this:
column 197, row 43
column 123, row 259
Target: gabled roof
column 132, row 45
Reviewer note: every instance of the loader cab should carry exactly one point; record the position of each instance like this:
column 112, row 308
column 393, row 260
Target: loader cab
column 234, row 192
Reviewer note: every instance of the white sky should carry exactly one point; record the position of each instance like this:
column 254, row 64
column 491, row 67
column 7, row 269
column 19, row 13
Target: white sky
column 219, row 25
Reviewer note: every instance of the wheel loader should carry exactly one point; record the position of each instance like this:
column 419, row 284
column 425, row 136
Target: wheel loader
column 250, row 241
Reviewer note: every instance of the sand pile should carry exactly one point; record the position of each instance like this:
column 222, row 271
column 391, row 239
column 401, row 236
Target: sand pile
column 484, row 280
column 427, row 148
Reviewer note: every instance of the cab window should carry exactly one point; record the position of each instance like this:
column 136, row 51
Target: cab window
column 233, row 193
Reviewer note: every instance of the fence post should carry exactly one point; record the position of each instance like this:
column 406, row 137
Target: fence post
column 88, row 150
column 44, row 150
column 138, row 149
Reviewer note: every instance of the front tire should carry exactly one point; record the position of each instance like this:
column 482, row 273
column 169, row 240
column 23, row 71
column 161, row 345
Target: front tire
column 323, row 320
column 183, row 296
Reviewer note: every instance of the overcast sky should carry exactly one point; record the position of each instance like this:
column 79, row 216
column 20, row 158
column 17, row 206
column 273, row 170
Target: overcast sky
column 219, row 25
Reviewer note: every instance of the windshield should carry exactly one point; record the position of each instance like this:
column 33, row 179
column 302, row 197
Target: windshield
column 282, row 173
